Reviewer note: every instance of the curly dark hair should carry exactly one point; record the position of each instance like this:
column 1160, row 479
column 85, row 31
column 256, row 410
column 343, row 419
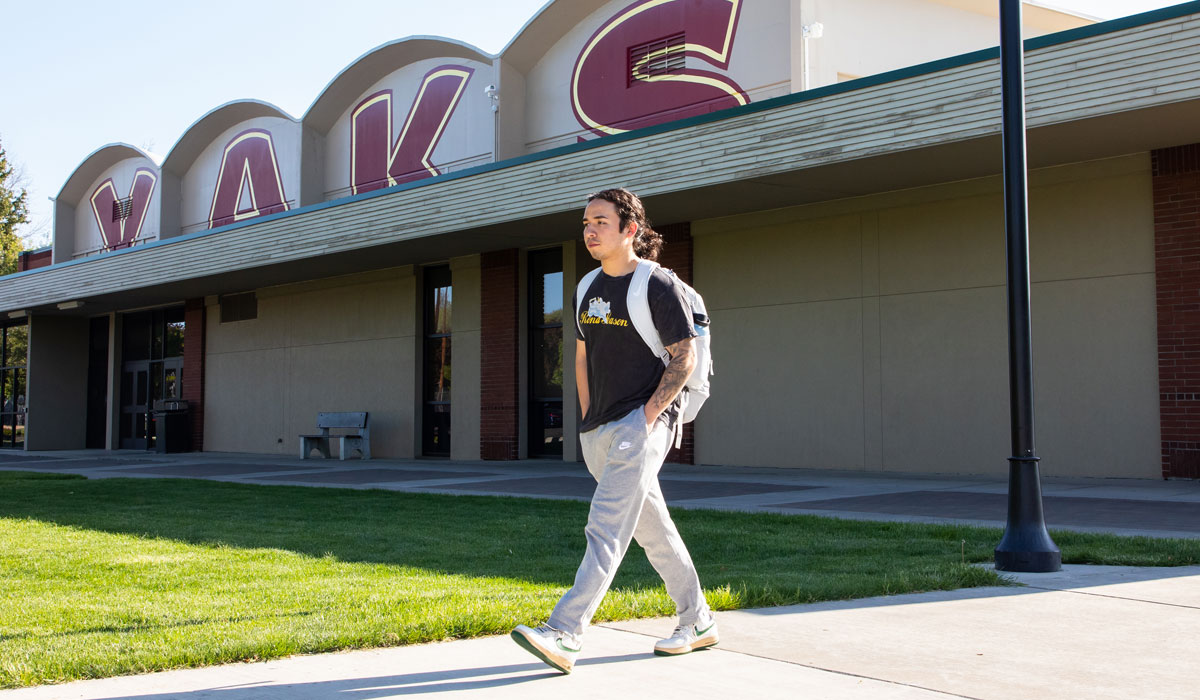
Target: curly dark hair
column 647, row 243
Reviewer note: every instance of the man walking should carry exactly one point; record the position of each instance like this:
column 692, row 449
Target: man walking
column 630, row 407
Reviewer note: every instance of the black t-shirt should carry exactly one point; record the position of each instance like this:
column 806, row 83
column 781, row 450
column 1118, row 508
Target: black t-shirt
column 623, row 373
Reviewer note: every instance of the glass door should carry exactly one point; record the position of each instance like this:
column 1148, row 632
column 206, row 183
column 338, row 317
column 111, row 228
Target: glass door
column 14, row 350
column 151, row 369
column 545, row 353
column 136, row 430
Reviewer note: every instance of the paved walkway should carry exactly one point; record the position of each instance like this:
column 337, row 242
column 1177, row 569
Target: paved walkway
column 1127, row 506
column 1084, row 632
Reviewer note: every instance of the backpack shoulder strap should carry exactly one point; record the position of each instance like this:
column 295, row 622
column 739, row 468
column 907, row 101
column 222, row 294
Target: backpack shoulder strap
column 638, row 302
column 580, row 292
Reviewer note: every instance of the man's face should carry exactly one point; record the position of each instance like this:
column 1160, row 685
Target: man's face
column 602, row 232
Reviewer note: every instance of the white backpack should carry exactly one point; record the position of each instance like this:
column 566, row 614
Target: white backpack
column 696, row 390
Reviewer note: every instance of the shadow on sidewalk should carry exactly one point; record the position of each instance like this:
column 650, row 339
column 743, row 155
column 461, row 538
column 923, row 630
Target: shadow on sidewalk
column 442, row 681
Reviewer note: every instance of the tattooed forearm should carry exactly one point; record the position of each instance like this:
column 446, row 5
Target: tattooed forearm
column 675, row 375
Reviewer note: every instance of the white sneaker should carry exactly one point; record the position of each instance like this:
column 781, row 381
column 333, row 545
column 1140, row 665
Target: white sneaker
column 557, row 648
column 689, row 638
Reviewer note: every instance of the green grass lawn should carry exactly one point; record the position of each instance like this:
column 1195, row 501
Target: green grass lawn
column 109, row 577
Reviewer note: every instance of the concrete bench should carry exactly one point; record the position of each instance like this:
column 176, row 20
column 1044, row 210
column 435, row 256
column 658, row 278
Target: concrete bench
column 355, row 436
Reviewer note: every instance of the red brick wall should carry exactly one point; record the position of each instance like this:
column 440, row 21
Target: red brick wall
column 193, row 367
column 500, row 414
column 677, row 255
column 1176, row 177
column 31, row 260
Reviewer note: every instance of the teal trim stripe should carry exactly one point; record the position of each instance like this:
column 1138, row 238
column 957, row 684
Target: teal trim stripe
column 966, row 59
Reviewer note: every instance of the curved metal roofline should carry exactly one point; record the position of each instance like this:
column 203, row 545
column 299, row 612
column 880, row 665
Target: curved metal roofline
column 202, row 131
column 97, row 162
column 369, row 68
column 547, row 26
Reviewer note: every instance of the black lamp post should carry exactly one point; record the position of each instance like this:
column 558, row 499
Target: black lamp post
column 1026, row 545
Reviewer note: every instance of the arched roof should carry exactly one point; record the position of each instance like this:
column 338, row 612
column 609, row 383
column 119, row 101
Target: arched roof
column 544, row 29
column 367, row 69
column 96, row 163
column 202, row 132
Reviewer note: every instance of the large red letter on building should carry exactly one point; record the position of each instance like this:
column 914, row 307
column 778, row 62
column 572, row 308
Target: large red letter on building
column 374, row 162
column 249, row 183
column 631, row 73
column 119, row 229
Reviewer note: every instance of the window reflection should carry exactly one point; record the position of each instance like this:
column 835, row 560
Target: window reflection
column 438, row 307
column 14, row 349
column 545, row 352
column 152, row 369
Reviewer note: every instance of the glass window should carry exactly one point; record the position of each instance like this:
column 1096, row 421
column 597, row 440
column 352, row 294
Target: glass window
column 548, row 373
column 552, row 296
column 156, row 381
column 14, row 350
column 141, row 397
column 16, row 345
column 135, row 336
column 437, row 367
column 171, row 382
column 152, row 368
column 157, row 339
column 174, row 339
column 545, row 352
column 438, row 306
column 437, row 322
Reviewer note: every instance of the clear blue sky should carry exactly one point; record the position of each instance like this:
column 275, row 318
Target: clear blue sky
column 80, row 75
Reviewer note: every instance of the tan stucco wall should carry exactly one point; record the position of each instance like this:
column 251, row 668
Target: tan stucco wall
column 865, row 37
column 871, row 333
column 345, row 344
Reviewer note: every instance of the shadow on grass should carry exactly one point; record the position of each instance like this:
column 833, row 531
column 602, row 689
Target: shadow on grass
column 760, row 558
column 151, row 626
column 470, row 535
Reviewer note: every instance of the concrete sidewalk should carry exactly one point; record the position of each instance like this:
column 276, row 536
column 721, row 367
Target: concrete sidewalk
column 1152, row 508
column 1085, row 632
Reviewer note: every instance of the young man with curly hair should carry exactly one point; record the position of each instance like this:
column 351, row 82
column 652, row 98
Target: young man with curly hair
column 630, row 407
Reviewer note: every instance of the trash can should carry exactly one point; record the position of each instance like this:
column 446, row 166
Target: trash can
column 172, row 426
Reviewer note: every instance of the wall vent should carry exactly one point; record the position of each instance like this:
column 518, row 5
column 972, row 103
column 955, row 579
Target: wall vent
column 656, row 58
column 122, row 208
column 239, row 307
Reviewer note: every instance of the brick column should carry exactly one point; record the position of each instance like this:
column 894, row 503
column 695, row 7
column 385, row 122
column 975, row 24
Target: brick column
column 1176, row 177
column 677, row 255
column 499, row 387
column 193, row 367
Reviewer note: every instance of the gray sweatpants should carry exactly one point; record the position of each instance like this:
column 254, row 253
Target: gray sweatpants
column 628, row 503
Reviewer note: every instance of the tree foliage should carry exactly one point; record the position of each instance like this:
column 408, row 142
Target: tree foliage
column 13, row 213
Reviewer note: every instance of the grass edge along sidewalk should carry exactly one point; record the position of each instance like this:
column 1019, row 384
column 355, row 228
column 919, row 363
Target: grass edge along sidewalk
column 118, row 576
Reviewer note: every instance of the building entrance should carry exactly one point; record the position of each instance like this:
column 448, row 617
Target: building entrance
column 14, row 345
column 151, row 369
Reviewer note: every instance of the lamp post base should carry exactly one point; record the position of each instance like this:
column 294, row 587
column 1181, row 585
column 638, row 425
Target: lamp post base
column 1029, row 562
column 1026, row 545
